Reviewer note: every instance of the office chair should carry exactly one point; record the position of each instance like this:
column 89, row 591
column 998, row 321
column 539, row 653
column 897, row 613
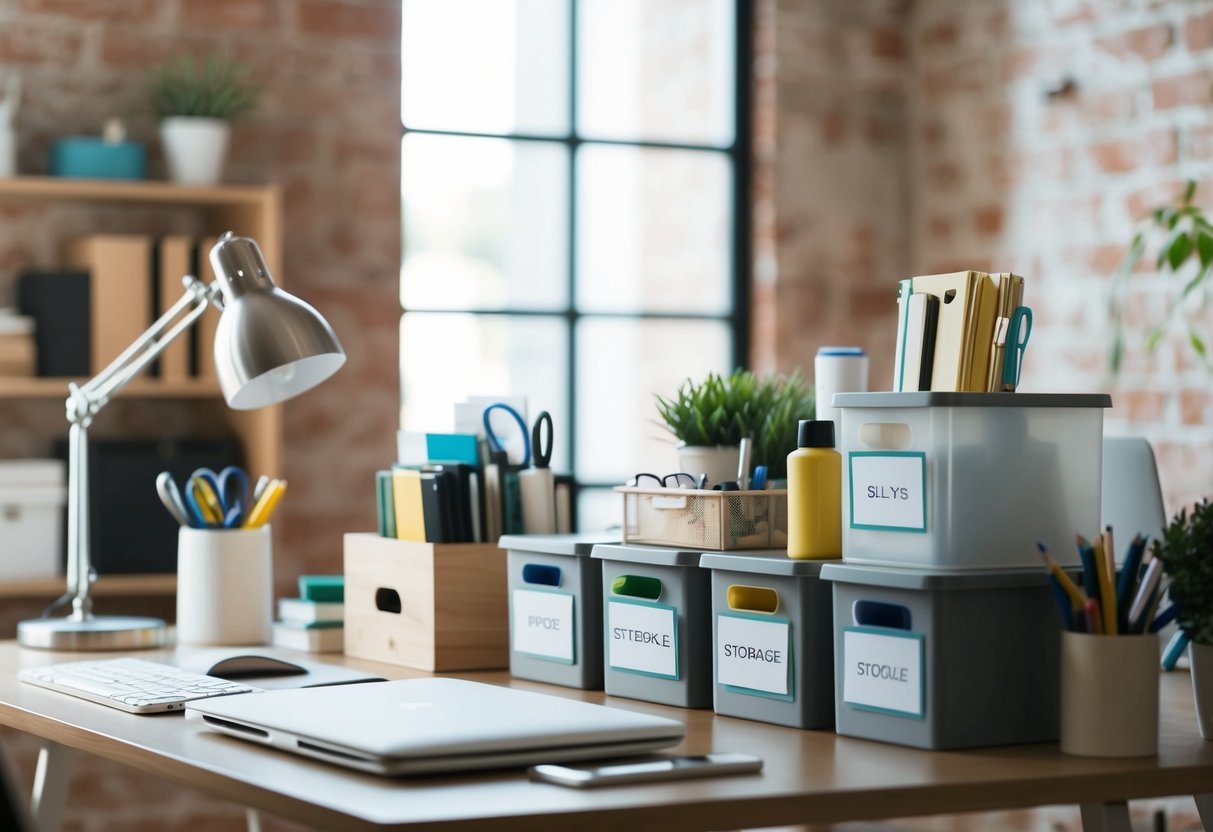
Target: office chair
column 1132, row 496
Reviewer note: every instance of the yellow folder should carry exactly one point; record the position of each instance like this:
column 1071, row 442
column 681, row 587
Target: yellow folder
column 410, row 517
column 965, row 328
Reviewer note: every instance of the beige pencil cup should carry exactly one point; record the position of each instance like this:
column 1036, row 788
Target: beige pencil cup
column 1109, row 695
column 225, row 586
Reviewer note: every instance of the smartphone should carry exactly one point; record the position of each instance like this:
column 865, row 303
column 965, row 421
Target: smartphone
column 647, row 770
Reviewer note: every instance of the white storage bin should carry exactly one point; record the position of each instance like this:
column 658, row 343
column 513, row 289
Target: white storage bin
column 969, row 480
column 32, row 494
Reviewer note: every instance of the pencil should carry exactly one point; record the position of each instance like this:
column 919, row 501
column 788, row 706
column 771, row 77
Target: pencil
column 1094, row 617
column 1107, row 595
column 1077, row 599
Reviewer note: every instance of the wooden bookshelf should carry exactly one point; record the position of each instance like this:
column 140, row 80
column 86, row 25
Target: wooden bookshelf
column 56, row 388
column 106, row 585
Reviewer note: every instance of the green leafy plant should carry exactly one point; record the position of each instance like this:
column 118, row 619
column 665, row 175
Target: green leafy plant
column 720, row 410
column 1186, row 250
column 213, row 88
column 1186, row 552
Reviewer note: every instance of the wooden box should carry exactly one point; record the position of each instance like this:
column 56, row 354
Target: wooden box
column 429, row 606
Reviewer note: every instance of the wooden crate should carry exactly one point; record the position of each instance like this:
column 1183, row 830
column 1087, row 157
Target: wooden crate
column 429, row 606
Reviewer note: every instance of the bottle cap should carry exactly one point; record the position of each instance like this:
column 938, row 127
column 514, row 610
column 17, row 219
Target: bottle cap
column 815, row 433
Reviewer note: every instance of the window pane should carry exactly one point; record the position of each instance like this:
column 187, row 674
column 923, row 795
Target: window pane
column 485, row 66
column 598, row 510
column 485, row 224
column 444, row 358
column 656, row 70
column 621, row 364
column 652, row 230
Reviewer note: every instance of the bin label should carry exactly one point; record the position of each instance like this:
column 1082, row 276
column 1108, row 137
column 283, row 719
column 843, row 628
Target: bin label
column 543, row 625
column 642, row 638
column 888, row 490
column 883, row 671
column 754, row 654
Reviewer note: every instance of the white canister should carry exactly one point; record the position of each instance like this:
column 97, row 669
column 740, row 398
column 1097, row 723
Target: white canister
column 225, row 586
column 838, row 370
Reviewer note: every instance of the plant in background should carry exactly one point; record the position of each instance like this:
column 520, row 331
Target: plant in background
column 1186, row 247
column 722, row 409
column 1186, row 552
column 214, row 88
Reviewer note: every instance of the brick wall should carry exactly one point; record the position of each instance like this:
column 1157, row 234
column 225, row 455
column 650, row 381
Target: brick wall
column 328, row 131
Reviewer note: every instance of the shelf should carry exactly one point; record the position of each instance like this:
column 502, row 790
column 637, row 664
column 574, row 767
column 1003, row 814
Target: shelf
column 53, row 188
column 111, row 585
column 56, row 388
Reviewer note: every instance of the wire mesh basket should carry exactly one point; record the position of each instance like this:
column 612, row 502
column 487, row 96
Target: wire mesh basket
column 705, row 520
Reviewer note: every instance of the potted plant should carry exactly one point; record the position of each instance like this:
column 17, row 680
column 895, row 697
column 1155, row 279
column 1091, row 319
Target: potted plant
column 710, row 418
column 196, row 103
column 1186, row 552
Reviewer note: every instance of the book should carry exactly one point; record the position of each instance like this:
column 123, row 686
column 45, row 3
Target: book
column 918, row 355
column 979, row 333
column 120, row 291
column 322, row 587
column 303, row 611
column 174, row 254
column 311, row 640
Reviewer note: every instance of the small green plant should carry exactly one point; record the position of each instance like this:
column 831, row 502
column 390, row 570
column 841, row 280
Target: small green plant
column 720, row 410
column 1186, row 250
column 213, row 88
column 1186, row 552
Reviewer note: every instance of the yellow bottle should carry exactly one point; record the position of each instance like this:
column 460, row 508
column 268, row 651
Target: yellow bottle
column 815, row 493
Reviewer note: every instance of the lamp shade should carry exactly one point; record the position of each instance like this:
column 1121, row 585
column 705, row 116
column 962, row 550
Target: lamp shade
column 269, row 345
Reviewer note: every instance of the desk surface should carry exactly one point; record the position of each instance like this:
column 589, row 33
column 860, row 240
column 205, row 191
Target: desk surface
column 808, row 776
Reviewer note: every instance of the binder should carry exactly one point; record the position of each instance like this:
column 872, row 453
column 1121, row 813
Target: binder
column 919, row 357
column 204, row 331
column 172, row 263
column 120, row 291
column 979, row 333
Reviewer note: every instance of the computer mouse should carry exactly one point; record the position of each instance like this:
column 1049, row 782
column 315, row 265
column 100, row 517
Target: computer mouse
column 230, row 664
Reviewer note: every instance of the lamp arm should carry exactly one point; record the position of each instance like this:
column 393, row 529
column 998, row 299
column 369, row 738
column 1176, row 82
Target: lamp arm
column 85, row 401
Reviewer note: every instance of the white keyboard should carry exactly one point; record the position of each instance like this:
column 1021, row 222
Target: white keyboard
column 134, row 685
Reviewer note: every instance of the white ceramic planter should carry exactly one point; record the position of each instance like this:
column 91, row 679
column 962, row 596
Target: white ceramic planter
column 195, row 149
column 719, row 462
column 1202, row 686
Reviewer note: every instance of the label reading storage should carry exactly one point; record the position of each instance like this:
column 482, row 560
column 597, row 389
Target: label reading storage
column 642, row 638
column 882, row 671
column 753, row 654
column 888, row 490
column 543, row 625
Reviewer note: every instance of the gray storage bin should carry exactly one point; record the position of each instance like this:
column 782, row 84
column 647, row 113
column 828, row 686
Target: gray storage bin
column 555, row 608
column 955, row 660
column 768, row 602
column 657, row 625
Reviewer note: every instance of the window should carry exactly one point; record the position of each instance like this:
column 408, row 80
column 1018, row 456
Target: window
column 575, row 223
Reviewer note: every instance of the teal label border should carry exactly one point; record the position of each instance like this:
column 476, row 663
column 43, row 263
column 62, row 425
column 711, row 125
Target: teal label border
column 922, row 670
column 790, row 696
column 573, row 616
column 606, row 638
column 851, row 476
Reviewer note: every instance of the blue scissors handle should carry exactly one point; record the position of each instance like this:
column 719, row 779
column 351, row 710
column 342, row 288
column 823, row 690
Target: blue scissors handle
column 1019, row 330
column 230, row 485
column 495, row 443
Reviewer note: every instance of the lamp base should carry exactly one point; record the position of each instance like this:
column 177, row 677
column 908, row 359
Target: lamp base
column 106, row 632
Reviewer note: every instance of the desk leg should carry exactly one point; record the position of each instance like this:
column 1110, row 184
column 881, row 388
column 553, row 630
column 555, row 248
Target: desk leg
column 1204, row 807
column 253, row 819
column 51, row 779
column 1106, row 817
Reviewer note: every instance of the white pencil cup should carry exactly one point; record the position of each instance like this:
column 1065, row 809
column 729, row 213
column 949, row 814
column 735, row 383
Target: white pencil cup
column 1109, row 695
column 225, row 586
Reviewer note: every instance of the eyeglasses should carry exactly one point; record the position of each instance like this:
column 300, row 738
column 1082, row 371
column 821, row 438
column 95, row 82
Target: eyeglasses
column 681, row 479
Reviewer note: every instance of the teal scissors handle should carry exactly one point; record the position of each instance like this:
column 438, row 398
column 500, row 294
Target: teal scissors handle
column 1019, row 330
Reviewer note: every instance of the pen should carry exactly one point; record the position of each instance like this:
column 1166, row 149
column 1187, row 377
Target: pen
column 743, row 464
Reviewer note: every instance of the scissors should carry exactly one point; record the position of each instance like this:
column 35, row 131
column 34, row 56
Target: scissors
column 170, row 495
column 219, row 499
column 542, row 452
column 1018, row 331
column 497, row 449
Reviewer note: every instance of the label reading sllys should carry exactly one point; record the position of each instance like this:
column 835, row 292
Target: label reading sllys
column 882, row 671
column 543, row 624
column 753, row 653
column 642, row 638
column 888, row 490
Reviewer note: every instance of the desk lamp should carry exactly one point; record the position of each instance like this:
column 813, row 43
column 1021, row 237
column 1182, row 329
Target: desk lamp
column 269, row 346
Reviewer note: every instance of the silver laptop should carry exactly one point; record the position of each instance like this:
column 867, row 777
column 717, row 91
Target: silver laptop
column 423, row 726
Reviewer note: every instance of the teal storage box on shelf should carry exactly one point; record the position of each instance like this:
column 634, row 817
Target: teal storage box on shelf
column 945, row 660
column 962, row 481
column 555, row 608
column 657, row 623
column 773, row 639
column 91, row 157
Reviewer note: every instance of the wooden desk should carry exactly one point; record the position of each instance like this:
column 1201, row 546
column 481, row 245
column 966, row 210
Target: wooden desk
column 808, row 776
